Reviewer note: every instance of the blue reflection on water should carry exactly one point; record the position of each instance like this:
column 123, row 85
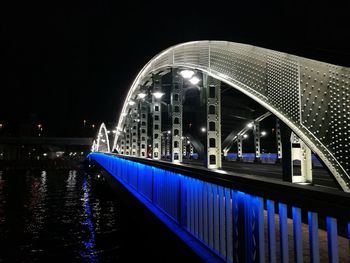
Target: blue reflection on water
column 89, row 253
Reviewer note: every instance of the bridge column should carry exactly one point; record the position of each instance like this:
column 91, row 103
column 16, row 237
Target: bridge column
column 302, row 153
column 287, row 169
column 191, row 149
column 184, row 147
column 167, row 145
column 278, row 141
column 176, row 115
column 256, row 131
column 239, row 147
column 135, row 132
column 128, row 136
column 213, row 96
column 163, row 145
column 143, row 129
column 122, row 143
column 157, row 119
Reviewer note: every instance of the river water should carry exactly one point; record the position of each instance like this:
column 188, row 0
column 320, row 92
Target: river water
column 70, row 216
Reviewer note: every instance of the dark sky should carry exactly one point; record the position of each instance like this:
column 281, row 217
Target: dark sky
column 63, row 62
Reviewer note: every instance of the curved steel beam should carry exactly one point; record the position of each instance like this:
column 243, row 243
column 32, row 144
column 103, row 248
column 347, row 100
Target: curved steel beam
column 311, row 97
column 232, row 137
column 102, row 141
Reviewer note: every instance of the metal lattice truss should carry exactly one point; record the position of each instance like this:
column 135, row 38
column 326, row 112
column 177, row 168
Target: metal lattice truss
column 101, row 144
column 311, row 97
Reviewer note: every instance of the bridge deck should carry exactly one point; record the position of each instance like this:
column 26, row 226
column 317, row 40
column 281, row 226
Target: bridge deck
column 321, row 176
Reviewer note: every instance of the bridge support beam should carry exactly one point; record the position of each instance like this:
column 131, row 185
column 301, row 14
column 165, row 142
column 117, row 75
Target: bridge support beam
column 278, row 141
column 143, row 129
column 184, row 147
column 239, row 147
column 167, row 146
column 128, row 136
column 213, row 96
column 122, row 143
column 256, row 131
column 176, row 115
column 287, row 172
column 157, row 119
column 135, row 132
column 302, row 153
column 163, row 145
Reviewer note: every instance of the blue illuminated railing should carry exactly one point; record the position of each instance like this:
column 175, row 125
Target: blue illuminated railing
column 258, row 224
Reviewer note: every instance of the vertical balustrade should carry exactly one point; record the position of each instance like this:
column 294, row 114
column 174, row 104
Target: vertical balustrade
column 229, row 222
column 297, row 234
column 332, row 239
column 271, row 230
column 313, row 237
column 283, row 223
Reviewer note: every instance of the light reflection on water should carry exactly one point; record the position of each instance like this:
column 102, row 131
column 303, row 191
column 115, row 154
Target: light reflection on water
column 89, row 243
column 57, row 215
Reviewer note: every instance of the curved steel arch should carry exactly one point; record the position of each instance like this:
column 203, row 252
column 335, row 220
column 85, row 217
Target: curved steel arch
column 102, row 142
column 311, row 97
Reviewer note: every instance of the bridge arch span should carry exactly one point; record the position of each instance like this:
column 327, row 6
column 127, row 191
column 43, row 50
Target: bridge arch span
column 311, row 97
column 102, row 142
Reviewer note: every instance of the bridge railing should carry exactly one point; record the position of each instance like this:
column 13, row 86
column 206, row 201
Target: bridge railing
column 242, row 218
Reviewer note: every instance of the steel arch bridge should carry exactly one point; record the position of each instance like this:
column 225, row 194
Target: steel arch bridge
column 101, row 144
column 311, row 97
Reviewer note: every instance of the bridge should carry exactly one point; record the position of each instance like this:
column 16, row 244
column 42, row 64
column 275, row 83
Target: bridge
column 195, row 177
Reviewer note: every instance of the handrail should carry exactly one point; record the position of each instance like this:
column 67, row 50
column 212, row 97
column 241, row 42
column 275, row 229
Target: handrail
column 326, row 202
column 231, row 214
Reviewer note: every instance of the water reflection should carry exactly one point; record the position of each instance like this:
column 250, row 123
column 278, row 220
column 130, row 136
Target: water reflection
column 2, row 199
column 36, row 203
column 64, row 216
column 89, row 253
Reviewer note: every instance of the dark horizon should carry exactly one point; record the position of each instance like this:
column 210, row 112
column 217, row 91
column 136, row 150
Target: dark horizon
column 69, row 62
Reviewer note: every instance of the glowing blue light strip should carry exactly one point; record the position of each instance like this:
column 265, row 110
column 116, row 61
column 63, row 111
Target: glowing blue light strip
column 216, row 216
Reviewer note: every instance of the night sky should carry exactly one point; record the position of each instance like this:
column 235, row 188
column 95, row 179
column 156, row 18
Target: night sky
column 63, row 62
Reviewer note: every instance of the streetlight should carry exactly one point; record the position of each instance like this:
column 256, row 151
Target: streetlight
column 158, row 94
column 245, row 136
column 169, row 131
column 141, row 95
column 263, row 133
column 194, row 80
column 250, row 125
column 187, row 74
column 203, row 129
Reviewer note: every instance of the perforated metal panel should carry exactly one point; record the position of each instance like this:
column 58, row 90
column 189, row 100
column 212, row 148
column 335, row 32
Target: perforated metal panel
column 311, row 97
